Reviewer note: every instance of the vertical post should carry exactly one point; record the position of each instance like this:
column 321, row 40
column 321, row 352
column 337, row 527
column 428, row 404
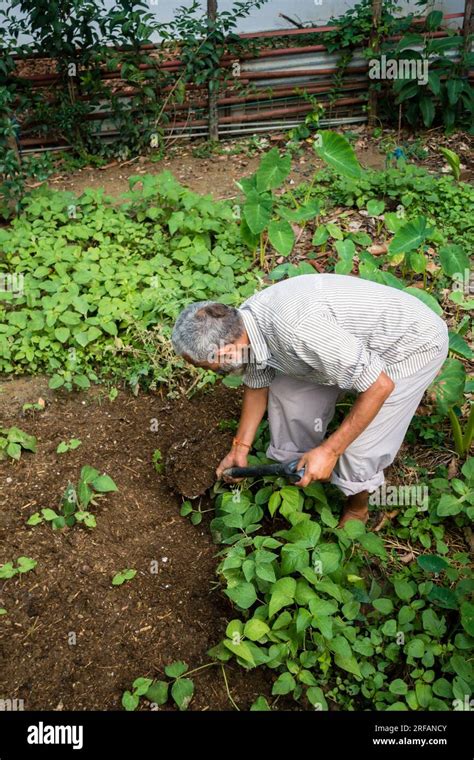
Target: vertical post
column 467, row 23
column 374, row 45
column 212, row 91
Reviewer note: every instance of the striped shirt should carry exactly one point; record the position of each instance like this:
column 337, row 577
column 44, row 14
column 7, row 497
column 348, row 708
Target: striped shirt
column 338, row 330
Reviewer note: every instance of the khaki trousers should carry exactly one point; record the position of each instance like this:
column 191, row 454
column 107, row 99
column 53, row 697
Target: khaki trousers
column 300, row 411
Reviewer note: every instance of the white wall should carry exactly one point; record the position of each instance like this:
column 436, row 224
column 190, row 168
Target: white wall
column 317, row 12
column 314, row 12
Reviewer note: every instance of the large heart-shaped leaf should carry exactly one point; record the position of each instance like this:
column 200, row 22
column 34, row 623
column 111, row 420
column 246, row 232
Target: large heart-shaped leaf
column 273, row 170
column 336, row 151
column 454, row 260
column 346, row 250
column 448, row 386
column 281, row 236
column 257, row 211
column 410, row 236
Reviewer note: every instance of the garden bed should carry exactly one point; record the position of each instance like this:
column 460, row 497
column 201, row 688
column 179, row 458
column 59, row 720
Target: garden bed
column 121, row 632
column 105, row 280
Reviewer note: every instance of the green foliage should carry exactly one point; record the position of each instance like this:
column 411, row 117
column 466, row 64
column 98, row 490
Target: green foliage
column 24, row 565
column 446, row 95
column 262, row 211
column 66, row 446
column 104, row 281
column 74, row 504
column 180, row 688
column 123, row 576
column 325, row 609
column 412, row 236
column 457, row 494
column 195, row 514
column 267, row 217
column 453, row 160
column 337, row 152
column 13, row 441
column 157, row 459
column 445, row 203
column 89, row 39
column 310, row 123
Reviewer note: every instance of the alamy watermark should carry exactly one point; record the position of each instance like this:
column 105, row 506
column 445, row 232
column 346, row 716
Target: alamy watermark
column 401, row 496
column 12, row 283
column 464, row 281
column 12, row 705
column 399, row 68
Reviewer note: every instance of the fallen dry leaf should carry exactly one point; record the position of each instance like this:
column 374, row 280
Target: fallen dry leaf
column 453, row 468
column 378, row 248
column 386, row 517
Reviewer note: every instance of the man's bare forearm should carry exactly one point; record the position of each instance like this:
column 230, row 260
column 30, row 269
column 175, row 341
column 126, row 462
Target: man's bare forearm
column 254, row 406
column 365, row 409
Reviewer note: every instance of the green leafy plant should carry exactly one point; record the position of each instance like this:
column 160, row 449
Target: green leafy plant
column 38, row 406
column 448, row 391
column 446, row 93
column 102, row 298
column 457, row 494
column 312, row 608
column 453, row 160
column 157, row 459
column 310, row 125
column 123, row 576
column 74, row 505
column 180, row 687
column 66, row 446
column 195, row 514
column 265, row 218
column 23, row 565
column 13, row 441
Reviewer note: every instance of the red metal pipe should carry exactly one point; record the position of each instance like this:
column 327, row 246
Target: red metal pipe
column 44, row 79
column 263, row 115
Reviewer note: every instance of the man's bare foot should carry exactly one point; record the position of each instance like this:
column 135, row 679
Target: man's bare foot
column 357, row 508
column 352, row 514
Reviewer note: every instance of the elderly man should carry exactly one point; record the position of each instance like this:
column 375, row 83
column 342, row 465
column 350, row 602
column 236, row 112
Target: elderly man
column 302, row 342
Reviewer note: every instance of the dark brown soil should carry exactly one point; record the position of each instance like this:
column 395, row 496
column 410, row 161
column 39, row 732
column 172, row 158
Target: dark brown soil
column 191, row 463
column 123, row 632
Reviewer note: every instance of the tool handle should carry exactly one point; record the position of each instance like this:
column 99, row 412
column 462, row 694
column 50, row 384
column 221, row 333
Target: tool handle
column 294, row 475
column 286, row 470
column 253, row 472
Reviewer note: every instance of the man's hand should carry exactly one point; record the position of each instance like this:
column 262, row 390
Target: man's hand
column 318, row 463
column 237, row 457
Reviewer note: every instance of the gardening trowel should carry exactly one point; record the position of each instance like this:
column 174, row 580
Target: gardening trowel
column 286, row 470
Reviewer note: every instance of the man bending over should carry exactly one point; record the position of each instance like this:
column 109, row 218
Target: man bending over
column 302, row 342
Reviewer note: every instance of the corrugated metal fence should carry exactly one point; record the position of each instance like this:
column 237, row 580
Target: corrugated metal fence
column 269, row 101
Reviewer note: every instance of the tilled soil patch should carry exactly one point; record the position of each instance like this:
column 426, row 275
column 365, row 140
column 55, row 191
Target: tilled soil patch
column 70, row 639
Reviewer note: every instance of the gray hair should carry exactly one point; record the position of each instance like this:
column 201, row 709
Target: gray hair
column 205, row 326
